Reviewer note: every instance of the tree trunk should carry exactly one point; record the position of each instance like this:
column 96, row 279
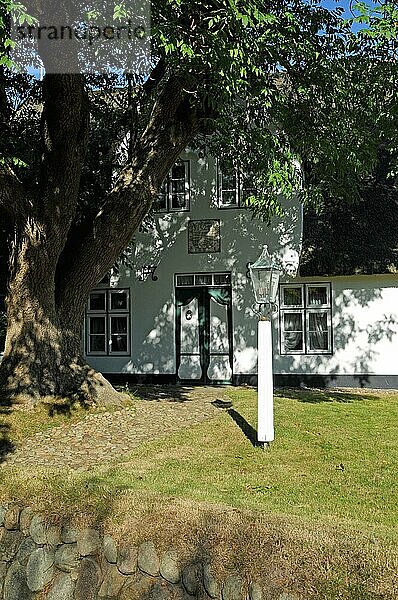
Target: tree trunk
column 43, row 351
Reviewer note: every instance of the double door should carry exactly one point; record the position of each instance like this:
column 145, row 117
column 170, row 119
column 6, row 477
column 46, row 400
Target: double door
column 204, row 335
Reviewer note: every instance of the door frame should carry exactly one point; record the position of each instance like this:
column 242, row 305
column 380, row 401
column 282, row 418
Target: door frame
column 204, row 333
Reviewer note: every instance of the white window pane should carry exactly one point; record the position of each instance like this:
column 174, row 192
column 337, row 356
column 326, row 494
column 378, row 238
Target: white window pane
column 317, row 295
column 318, row 331
column 229, row 198
column 222, row 279
column 178, row 171
column 203, row 280
column 179, row 201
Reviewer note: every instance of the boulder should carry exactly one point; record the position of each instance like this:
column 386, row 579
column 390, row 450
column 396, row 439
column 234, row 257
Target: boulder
column 148, row 560
column 232, row 589
column 15, row 584
column 127, row 561
column 88, row 542
column 62, row 588
column 88, row 580
column 11, row 518
column 209, row 582
column 169, row 568
column 110, row 550
column 38, row 530
column 66, row 558
column 40, row 569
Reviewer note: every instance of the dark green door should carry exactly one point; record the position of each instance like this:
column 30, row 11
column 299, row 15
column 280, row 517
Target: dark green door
column 204, row 335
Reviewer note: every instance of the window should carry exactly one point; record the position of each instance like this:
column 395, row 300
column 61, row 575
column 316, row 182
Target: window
column 175, row 191
column 233, row 188
column 305, row 318
column 200, row 279
column 108, row 322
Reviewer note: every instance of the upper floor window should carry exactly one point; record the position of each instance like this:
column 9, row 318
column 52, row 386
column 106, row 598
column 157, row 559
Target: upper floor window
column 175, row 191
column 108, row 322
column 233, row 187
column 305, row 318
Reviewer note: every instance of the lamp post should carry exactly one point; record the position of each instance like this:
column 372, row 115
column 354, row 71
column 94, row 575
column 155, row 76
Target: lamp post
column 265, row 279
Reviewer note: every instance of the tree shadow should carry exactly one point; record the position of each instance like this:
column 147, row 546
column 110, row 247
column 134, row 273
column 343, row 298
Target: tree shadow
column 6, row 445
column 245, row 427
column 158, row 393
column 316, row 396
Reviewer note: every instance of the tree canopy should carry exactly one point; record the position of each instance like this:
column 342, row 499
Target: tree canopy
column 277, row 88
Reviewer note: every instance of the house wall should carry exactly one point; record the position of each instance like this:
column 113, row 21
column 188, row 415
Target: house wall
column 364, row 308
column 166, row 245
column 365, row 336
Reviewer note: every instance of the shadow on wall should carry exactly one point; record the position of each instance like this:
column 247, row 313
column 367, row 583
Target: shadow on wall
column 355, row 343
column 164, row 240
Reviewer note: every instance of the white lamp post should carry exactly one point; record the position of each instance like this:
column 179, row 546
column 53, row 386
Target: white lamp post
column 265, row 279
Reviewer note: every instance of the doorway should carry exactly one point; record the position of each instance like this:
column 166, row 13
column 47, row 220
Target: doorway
column 204, row 340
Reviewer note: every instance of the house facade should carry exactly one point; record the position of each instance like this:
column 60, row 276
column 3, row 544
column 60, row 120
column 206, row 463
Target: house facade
column 182, row 308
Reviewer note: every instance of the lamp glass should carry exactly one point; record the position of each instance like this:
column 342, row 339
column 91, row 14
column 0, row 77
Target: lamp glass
column 265, row 278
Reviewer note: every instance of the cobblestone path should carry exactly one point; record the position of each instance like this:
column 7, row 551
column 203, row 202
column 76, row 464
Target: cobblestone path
column 106, row 437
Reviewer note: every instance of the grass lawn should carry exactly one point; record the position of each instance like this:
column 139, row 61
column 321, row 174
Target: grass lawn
column 324, row 496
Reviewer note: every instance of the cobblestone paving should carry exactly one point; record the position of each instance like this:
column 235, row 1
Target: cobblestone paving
column 106, row 437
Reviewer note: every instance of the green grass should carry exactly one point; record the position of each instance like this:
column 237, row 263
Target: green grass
column 334, row 456
column 332, row 470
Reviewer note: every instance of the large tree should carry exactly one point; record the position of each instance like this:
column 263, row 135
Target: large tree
column 272, row 79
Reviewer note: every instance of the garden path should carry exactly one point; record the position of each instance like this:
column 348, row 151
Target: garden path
column 104, row 437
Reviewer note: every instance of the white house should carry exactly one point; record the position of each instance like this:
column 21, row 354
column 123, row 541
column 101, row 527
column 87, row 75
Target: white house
column 184, row 311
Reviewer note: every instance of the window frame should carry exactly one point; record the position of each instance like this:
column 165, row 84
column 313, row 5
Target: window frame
column 107, row 313
column 168, row 191
column 306, row 309
column 239, row 189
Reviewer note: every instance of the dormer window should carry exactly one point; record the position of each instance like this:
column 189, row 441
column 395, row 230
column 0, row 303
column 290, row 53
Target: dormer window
column 233, row 188
column 175, row 191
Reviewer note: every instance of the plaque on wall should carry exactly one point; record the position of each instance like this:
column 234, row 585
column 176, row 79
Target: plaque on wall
column 204, row 236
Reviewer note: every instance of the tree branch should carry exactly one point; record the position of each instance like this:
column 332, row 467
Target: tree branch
column 65, row 123
column 171, row 126
column 15, row 201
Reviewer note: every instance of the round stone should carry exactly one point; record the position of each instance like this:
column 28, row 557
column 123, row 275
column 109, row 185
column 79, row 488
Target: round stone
column 148, row 560
column 62, row 588
column 88, row 542
column 210, row 584
column 88, row 580
column 127, row 561
column 66, row 558
column 39, row 569
column 232, row 589
column 25, row 519
column 169, row 569
column 190, row 579
column 11, row 518
column 37, row 530
column 110, row 550
column 15, row 584
column 255, row 591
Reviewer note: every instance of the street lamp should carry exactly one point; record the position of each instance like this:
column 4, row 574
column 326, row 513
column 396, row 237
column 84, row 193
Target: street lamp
column 265, row 276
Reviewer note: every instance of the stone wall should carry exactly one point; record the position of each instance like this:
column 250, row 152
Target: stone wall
column 40, row 561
